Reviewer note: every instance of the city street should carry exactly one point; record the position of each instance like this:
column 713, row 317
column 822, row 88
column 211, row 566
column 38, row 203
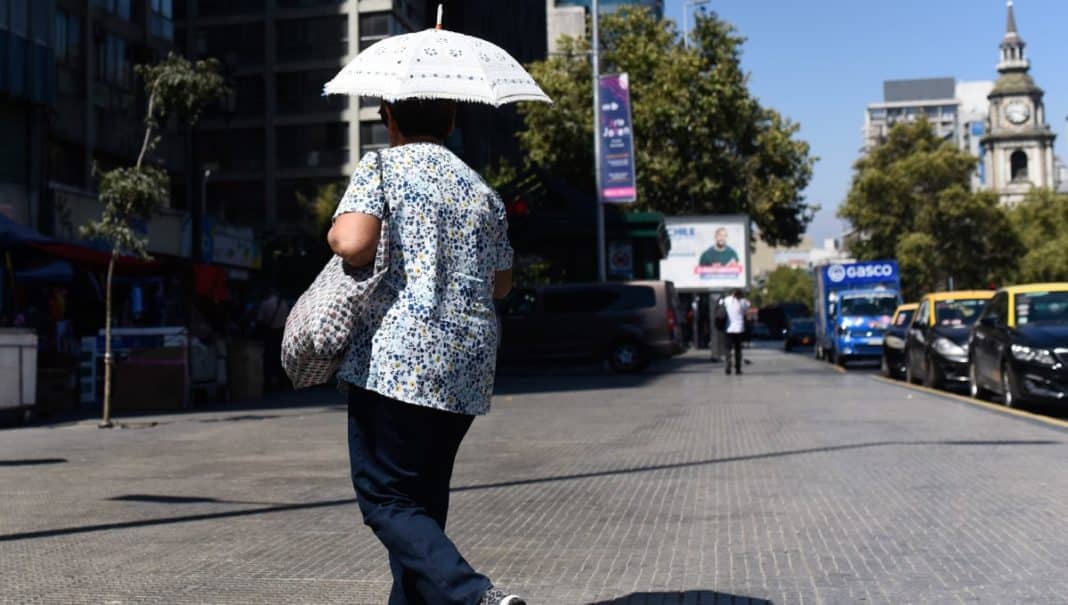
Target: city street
column 794, row 483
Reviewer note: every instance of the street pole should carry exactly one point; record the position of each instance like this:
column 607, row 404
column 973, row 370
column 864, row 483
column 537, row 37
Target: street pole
column 686, row 18
column 596, row 57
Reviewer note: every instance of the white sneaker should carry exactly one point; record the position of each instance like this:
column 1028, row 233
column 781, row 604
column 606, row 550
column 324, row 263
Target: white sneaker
column 496, row 596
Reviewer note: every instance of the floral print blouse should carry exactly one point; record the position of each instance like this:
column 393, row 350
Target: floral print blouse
column 430, row 337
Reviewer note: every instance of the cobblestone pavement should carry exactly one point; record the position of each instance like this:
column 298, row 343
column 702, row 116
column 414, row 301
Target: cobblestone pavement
column 791, row 484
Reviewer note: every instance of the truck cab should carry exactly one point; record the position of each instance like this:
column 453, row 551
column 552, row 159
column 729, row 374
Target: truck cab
column 854, row 305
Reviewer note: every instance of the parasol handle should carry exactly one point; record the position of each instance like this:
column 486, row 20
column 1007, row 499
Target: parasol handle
column 441, row 10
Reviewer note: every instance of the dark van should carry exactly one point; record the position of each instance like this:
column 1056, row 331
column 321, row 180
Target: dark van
column 628, row 324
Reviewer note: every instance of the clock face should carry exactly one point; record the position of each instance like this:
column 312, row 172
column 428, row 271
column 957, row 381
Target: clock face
column 1017, row 112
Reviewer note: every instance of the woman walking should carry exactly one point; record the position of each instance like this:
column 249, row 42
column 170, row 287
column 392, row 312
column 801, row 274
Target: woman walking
column 421, row 367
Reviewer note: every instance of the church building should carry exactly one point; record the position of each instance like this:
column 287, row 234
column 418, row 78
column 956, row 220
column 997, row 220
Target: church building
column 1018, row 146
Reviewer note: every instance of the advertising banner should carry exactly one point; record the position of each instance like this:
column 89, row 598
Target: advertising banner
column 708, row 253
column 617, row 141
column 860, row 274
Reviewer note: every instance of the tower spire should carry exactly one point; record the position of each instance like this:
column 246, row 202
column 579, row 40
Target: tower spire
column 1013, row 56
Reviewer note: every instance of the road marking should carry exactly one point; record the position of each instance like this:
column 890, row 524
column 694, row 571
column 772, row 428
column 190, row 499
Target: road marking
column 976, row 402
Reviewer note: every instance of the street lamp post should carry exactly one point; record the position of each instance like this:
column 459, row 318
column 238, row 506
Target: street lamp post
column 596, row 60
column 686, row 18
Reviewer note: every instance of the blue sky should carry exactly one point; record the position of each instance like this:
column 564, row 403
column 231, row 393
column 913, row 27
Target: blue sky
column 821, row 62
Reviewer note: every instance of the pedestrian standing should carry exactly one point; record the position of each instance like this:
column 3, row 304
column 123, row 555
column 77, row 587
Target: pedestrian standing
column 421, row 363
column 735, row 306
column 271, row 323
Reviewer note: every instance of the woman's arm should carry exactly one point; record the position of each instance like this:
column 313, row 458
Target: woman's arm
column 354, row 237
column 502, row 283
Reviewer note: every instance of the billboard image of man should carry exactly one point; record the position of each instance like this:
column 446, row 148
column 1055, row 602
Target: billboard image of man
column 719, row 254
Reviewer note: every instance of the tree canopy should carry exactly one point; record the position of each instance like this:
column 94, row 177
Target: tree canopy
column 911, row 199
column 785, row 285
column 1042, row 223
column 703, row 143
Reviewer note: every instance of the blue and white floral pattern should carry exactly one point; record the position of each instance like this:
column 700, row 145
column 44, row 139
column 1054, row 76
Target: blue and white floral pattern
column 430, row 337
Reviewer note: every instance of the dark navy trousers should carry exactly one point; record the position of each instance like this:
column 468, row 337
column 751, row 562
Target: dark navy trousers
column 401, row 457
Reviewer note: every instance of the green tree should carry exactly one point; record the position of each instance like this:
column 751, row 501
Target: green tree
column 703, row 143
column 911, row 200
column 175, row 87
column 785, row 285
column 1042, row 222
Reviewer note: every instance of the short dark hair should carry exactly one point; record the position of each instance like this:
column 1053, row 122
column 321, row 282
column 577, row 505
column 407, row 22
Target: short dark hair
column 424, row 117
column 737, row 293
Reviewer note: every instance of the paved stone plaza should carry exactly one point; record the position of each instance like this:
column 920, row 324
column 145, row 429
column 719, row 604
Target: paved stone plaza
column 791, row 484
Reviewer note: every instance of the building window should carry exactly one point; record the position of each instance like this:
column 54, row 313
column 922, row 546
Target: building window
column 1018, row 161
column 162, row 20
column 120, row 8
column 290, row 4
column 222, row 8
column 235, row 150
column 67, row 38
column 377, row 26
column 314, row 38
column 112, row 64
column 313, row 146
column 301, row 92
column 373, row 135
column 20, row 17
column 233, row 44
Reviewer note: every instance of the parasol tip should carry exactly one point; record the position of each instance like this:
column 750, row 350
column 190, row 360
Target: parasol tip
column 441, row 10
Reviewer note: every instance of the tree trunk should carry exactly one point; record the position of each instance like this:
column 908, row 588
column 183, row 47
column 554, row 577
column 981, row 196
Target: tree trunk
column 108, row 360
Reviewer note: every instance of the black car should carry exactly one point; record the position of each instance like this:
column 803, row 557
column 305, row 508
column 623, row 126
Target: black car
column 936, row 350
column 800, row 332
column 894, row 341
column 627, row 324
column 1019, row 346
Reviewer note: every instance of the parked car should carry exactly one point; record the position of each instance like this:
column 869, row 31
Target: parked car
column 800, row 332
column 628, row 324
column 777, row 316
column 760, row 331
column 1019, row 347
column 894, row 341
column 936, row 345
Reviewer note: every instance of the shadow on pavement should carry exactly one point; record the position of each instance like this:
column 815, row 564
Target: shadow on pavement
column 690, row 597
column 163, row 499
column 274, row 508
column 32, row 461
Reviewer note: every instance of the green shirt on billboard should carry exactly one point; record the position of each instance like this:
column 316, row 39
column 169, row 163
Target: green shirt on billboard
column 719, row 256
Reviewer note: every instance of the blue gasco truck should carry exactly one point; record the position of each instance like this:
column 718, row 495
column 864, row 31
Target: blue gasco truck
column 854, row 304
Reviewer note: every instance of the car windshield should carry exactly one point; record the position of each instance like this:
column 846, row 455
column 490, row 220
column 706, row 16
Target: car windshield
column 958, row 312
column 870, row 306
column 904, row 317
column 1042, row 307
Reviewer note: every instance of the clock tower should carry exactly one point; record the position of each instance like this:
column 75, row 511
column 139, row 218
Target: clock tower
column 1018, row 146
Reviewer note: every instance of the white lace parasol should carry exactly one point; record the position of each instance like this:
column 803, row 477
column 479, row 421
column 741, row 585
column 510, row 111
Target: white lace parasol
column 437, row 64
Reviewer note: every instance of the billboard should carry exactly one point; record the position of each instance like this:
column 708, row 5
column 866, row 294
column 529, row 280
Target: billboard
column 617, row 141
column 707, row 252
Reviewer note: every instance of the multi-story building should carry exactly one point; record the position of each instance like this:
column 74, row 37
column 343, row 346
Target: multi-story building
column 99, row 111
column 280, row 136
column 568, row 17
column 27, row 96
column 957, row 112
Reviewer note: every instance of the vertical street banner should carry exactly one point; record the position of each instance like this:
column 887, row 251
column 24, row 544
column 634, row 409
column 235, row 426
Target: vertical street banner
column 617, row 141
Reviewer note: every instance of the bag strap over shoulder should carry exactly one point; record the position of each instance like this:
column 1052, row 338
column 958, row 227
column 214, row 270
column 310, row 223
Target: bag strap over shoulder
column 382, row 182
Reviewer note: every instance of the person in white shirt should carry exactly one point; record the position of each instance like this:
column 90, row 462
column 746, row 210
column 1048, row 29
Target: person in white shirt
column 735, row 306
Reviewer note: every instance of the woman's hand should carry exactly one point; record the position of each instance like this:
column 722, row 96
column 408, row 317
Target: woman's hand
column 354, row 237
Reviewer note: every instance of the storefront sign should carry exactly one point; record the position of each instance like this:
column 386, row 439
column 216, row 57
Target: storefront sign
column 621, row 259
column 618, row 183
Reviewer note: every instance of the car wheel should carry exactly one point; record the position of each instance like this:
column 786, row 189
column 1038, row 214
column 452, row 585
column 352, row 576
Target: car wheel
column 627, row 357
column 885, row 367
column 819, row 353
column 931, row 378
column 786, row 347
column 975, row 389
column 910, row 376
column 1008, row 386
